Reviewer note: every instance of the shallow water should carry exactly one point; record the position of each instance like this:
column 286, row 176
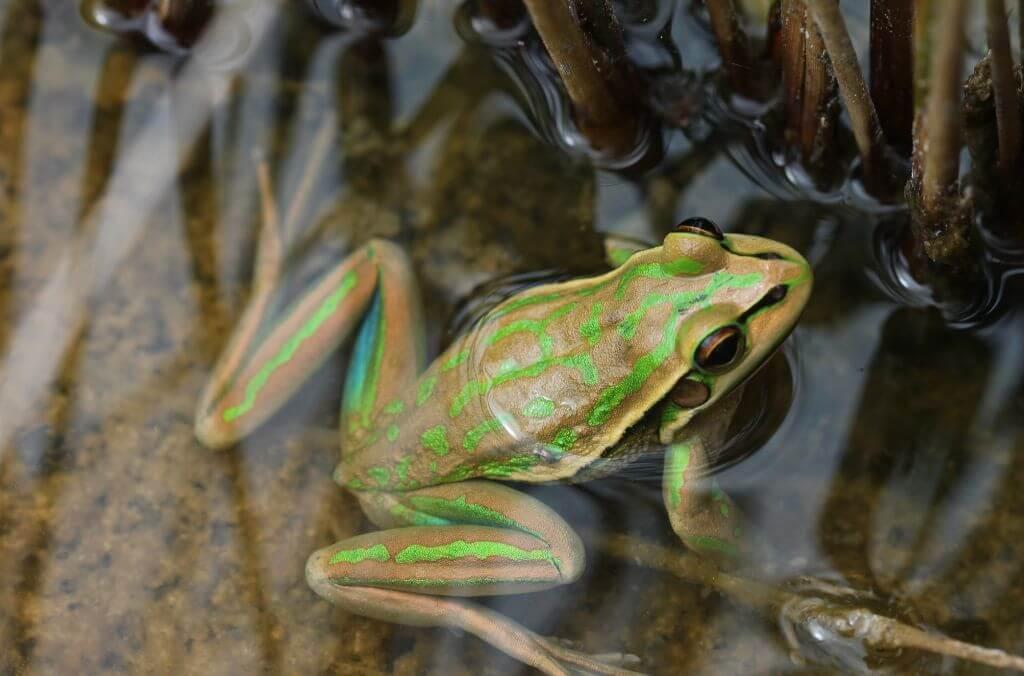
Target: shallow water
column 882, row 451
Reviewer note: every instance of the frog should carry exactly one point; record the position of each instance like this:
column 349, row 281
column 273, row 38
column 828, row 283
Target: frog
column 561, row 382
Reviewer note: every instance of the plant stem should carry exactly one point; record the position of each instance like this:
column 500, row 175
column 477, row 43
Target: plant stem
column 942, row 124
column 811, row 103
column 892, row 69
column 791, row 43
column 867, row 131
column 839, row 618
column 1004, row 87
column 604, row 115
column 733, row 46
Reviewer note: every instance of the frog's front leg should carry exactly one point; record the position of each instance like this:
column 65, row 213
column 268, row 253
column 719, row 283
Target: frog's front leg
column 701, row 514
column 457, row 540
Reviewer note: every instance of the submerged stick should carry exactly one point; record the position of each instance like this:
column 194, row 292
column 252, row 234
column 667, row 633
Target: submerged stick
column 941, row 166
column 1004, row 87
column 867, row 131
column 605, row 115
column 875, row 631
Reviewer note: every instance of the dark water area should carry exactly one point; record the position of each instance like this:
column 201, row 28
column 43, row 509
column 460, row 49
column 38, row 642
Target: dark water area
column 882, row 449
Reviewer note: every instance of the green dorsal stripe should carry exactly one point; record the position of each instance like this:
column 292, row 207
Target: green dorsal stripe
column 582, row 363
column 374, row 553
column 288, row 350
column 481, row 550
column 678, row 266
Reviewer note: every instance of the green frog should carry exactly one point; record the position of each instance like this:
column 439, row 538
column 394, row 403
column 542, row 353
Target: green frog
column 560, row 382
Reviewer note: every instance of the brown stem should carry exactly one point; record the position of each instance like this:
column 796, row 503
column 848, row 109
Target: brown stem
column 940, row 170
column 733, row 46
column 925, row 12
column 791, row 45
column 1004, row 86
column 867, row 131
column 839, row 618
column 892, row 69
column 606, row 116
column 820, row 110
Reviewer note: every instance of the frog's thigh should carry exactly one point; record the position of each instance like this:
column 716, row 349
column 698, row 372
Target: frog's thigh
column 701, row 514
column 388, row 353
column 465, row 539
column 257, row 374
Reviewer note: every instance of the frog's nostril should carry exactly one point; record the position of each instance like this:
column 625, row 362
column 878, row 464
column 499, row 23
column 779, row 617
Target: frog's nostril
column 769, row 256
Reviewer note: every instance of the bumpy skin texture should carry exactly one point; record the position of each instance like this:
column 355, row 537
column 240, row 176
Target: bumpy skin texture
column 550, row 379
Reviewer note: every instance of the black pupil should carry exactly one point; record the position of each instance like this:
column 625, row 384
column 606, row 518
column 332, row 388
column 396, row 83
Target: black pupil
column 724, row 352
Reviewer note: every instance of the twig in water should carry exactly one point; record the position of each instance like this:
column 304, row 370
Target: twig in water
column 875, row 631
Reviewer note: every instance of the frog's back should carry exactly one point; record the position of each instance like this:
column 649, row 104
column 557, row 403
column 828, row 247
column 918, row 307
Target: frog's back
column 544, row 383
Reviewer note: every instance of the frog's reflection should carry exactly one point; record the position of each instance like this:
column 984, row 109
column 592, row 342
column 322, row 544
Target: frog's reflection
column 918, row 507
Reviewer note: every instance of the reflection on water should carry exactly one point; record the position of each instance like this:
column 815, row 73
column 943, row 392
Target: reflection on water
column 125, row 546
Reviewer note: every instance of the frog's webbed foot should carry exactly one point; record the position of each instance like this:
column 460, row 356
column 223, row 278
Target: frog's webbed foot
column 612, row 659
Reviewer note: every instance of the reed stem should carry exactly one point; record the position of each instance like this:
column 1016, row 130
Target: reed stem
column 733, row 46
column 1004, row 87
column 867, row 131
column 607, row 117
column 892, row 70
column 941, row 166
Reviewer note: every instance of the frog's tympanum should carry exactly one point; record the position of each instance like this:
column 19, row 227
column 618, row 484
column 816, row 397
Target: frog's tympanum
column 559, row 383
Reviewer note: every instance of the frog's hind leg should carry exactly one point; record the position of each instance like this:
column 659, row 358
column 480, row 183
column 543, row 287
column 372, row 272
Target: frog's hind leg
column 456, row 540
column 389, row 349
column 261, row 369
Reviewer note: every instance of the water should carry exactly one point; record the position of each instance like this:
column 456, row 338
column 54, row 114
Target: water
column 881, row 452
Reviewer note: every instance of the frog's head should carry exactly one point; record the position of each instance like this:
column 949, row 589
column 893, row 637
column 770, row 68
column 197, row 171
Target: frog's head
column 753, row 291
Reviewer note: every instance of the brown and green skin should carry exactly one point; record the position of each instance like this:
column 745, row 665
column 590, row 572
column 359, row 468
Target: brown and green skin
column 557, row 383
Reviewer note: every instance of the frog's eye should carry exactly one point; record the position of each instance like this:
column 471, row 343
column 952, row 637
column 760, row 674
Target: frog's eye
column 720, row 349
column 700, row 226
